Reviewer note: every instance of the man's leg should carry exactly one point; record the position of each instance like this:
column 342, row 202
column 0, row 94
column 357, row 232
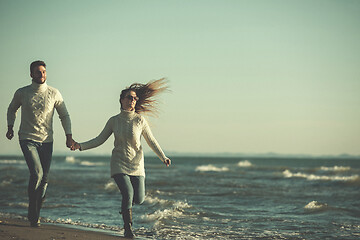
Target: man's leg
column 31, row 155
column 45, row 154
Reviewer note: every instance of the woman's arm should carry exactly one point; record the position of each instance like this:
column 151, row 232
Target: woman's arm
column 103, row 136
column 153, row 144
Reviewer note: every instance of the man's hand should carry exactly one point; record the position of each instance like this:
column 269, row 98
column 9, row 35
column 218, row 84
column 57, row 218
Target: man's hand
column 10, row 132
column 69, row 141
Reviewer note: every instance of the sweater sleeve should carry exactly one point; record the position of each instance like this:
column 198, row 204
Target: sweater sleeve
column 103, row 136
column 63, row 113
column 151, row 141
column 13, row 108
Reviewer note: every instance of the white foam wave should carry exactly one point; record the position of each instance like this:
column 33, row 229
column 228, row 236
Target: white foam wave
column 181, row 205
column 70, row 159
column 211, row 168
column 336, row 168
column 87, row 163
column 82, row 224
column 58, row 206
column 315, row 205
column 311, row 177
column 176, row 211
column 20, row 204
column 155, row 200
column 12, row 161
column 245, row 163
column 161, row 214
column 6, row 182
column 110, row 186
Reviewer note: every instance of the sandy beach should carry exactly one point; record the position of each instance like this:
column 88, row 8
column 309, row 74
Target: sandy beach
column 17, row 229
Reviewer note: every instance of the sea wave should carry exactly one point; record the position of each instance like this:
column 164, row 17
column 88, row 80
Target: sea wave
column 211, row 168
column 81, row 224
column 87, row 163
column 245, row 163
column 110, row 186
column 335, row 169
column 312, row 177
column 6, row 182
column 19, row 204
column 73, row 160
column 4, row 161
column 155, row 200
column 59, row 206
column 315, row 205
column 176, row 210
column 70, row 159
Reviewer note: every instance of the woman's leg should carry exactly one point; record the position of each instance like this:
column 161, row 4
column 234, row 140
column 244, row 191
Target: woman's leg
column 127, row 192
column 138, row 183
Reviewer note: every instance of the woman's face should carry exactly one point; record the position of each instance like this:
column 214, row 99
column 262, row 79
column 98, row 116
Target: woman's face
column 129, row 101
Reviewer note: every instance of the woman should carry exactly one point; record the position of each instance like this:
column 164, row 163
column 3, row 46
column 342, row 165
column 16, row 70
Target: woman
column 127, row 160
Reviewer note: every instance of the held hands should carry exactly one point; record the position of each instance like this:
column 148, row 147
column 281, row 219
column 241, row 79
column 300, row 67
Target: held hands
column 75, row 146
column 71, row 143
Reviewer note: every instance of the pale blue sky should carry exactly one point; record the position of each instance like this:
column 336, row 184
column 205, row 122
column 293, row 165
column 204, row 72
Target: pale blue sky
column 246, row 76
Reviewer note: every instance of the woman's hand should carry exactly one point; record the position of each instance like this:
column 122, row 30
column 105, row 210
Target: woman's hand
column 167, row 162
column 75, row 146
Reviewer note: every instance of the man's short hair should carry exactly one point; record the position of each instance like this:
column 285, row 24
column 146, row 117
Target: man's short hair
column 36, row 64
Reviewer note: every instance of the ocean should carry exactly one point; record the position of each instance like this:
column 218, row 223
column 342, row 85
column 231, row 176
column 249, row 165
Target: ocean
column 200, row 197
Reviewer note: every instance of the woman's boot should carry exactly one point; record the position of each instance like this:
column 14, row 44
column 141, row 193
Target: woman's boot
column 127, row 217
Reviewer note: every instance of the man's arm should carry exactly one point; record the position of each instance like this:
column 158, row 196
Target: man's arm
column 65, row 119
column 11, row 114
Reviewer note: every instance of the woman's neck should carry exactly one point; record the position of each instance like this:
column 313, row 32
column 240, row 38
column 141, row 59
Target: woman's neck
column 128, row 109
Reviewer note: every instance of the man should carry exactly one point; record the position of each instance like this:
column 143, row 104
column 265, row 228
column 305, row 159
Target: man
column 38, row 102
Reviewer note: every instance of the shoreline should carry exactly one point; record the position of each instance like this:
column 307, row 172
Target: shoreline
column 13, row 228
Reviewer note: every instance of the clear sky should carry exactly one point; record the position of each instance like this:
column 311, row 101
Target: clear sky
column 246, row 76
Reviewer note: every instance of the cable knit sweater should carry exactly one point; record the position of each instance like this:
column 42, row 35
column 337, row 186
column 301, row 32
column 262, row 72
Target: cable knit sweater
column 127, row 155
column 37, row 102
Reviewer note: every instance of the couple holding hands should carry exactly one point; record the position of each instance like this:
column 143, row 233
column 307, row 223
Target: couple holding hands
column 38, row 101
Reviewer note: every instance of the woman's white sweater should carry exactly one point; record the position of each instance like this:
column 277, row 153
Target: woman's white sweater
column 127, row 155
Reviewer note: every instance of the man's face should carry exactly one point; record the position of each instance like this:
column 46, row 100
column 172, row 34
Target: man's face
column 38, row 74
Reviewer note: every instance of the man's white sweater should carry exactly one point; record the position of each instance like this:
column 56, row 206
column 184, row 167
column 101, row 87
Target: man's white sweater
column 37, row 102
column 127, row 155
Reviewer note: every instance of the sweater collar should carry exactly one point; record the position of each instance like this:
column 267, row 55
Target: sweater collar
column 38, row 87
column 127, row 114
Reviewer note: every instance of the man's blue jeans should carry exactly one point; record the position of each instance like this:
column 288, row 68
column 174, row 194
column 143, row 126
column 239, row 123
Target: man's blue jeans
column 38, row 158
column 132, row 189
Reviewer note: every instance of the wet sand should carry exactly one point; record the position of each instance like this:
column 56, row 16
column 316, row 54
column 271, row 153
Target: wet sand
column 17, row 229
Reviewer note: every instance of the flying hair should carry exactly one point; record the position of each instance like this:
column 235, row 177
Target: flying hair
column 147, row 93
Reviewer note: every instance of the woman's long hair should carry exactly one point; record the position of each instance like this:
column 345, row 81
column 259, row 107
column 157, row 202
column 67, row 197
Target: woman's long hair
column 146, row 93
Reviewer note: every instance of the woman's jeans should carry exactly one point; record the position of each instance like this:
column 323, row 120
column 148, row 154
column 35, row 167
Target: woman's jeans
column 132, row 189
column 38, row 158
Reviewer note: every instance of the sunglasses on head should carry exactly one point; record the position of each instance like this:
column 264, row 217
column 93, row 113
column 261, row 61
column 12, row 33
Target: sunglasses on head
column 132, row 98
